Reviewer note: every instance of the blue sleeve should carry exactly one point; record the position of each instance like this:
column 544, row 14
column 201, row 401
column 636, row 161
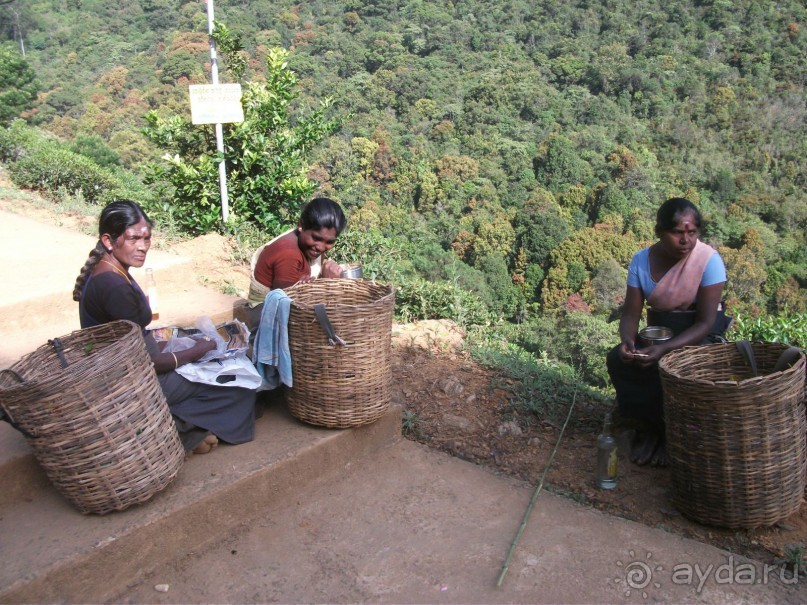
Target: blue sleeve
column 715, row 271
column 633, row 274
column 639, row 273
column 635, row 269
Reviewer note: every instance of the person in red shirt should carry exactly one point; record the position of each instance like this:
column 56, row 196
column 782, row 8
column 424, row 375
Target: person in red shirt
column 294, row 257
column 298, row 255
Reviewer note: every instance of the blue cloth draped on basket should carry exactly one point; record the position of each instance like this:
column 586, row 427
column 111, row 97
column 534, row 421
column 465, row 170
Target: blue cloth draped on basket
column 271, row 354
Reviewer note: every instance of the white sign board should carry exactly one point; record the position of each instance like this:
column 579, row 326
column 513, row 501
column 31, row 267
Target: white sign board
column 216, row 103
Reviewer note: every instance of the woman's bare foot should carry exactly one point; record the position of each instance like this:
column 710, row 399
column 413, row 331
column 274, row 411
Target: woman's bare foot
column 644, row 446
column 660, row 455
column 208, row 444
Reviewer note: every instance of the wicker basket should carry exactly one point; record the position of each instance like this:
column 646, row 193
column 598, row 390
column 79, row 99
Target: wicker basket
column 736, row 442
column 100, row 427
column 339, row 386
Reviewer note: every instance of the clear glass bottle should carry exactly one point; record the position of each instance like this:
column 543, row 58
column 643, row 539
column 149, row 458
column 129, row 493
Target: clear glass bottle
column 151, row 294
column 606, row 457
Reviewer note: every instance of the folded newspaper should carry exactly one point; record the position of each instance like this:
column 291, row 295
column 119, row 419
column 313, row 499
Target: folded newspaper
column 234, row 334
column 225, row 366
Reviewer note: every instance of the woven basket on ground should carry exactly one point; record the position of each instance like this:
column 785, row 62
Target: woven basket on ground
column 338, row 386
column 100, row 427
column 736, row 442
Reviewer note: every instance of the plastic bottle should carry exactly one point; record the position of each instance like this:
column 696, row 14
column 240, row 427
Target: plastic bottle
column 151, row 294
column 606, row 457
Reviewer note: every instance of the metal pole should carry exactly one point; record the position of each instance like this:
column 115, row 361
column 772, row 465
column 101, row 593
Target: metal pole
column 214, row 69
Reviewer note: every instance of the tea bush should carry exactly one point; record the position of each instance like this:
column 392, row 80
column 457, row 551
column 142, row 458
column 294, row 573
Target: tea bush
column 578, row 339
column 417, row 298
column 37, row 160
column 16, row 140
column 545, row 387
column 378, row 256
column 787, row 328
column 50, row 168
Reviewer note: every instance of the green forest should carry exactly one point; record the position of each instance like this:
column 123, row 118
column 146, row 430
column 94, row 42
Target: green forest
column 499, row 161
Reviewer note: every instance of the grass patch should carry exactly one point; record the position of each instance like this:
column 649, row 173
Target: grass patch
column 544, row 386
column 411, row 424
column 795, row 559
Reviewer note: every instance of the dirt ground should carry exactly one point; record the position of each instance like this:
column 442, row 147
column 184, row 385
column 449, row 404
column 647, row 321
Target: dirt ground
column 453, row 404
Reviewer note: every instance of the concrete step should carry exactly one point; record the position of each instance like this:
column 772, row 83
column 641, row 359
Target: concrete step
column 52, row 553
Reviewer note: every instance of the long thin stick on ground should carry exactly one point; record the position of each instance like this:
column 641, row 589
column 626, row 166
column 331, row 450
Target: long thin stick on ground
column 534, row 497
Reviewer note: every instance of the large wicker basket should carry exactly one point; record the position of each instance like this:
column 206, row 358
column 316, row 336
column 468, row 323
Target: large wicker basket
column 340, row 386
column 100, row 427
column 736, row 441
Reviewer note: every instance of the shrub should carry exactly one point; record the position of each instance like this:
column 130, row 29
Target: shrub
column 265, row 154
column 16, row 140
column 38, row 160
column 92, row 146
column 377, row 255
column 420, row 299
column 787, row 328
column 547, row 387
column 586, row 341
column 577, row 339
column 51, row 167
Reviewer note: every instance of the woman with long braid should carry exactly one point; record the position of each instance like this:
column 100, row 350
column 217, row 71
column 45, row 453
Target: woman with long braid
column 107, row 292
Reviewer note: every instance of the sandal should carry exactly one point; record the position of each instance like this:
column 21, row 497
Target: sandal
column 208, row 444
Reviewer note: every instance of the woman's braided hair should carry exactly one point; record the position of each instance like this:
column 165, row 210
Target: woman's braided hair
column 115, row 219
column 93, row 259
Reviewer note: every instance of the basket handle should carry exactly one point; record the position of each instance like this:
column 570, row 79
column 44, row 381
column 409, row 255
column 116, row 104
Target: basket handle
column 4, row 416
column 14, row 374
column 325, row 324
column 59, row 348
column 788, row 357
column 744, row 347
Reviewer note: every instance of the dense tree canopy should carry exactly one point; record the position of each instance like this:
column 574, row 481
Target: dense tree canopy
column 530, row 140
column 18, row 84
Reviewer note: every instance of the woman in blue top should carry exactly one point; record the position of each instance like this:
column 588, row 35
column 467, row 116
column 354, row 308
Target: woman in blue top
column 682, row 280
column 106, row 292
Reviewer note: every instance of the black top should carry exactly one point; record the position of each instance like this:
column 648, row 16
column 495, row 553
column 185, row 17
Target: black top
column 108, row 296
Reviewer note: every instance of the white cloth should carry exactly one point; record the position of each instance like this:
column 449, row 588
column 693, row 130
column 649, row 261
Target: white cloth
column 237, row 371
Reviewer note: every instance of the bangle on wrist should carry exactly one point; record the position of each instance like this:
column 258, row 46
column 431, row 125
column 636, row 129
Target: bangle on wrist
column 176, row 361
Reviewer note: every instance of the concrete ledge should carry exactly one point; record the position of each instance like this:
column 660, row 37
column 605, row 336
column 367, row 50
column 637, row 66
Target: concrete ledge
column 52, row 553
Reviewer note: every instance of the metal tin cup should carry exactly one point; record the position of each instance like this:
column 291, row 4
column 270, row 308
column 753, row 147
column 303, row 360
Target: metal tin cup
column 352, row 272
column 654, row 335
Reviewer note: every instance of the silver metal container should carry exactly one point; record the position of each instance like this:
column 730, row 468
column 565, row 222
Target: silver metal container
column 654, row 335
column 352, row 272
